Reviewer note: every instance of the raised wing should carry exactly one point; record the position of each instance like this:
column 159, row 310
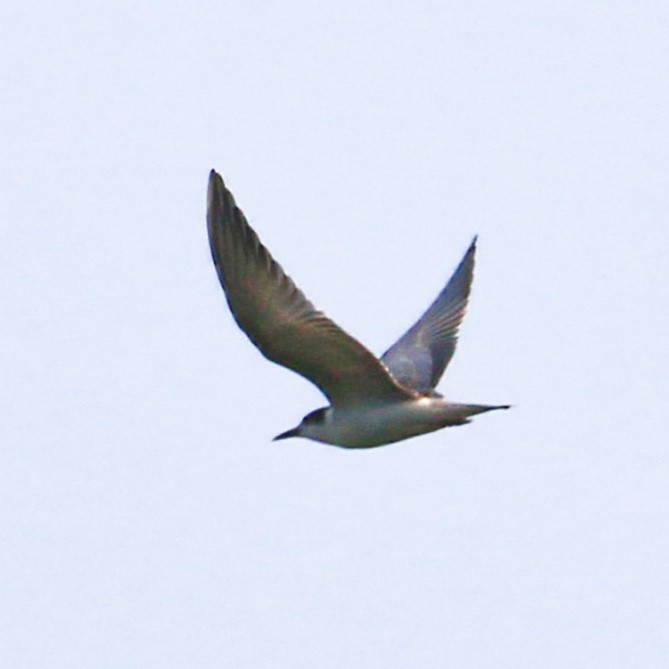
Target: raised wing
column 280, row 321
column 420, row 357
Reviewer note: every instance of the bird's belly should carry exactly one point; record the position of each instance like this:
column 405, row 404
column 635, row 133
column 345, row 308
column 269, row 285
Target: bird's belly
column 386, row 424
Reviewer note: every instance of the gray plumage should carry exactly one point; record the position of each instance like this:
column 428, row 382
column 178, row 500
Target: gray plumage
column 372, row 401
column 278, row 318
column 420, row 357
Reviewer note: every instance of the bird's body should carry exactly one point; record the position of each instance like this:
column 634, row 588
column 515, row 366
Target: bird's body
column 372, row 401
column 380, row 424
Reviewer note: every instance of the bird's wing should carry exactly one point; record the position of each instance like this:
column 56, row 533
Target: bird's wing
column 421, row 355
column 280, row 321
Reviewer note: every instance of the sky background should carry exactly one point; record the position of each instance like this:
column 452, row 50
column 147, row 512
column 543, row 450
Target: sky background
column 146, row 518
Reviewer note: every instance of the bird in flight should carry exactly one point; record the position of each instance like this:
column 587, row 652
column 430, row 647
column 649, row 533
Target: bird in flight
column 373, row 401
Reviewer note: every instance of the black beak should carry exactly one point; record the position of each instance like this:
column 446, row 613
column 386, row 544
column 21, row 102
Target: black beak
column 295, row 432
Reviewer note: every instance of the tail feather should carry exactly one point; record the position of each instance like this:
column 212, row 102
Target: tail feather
column 474, row 409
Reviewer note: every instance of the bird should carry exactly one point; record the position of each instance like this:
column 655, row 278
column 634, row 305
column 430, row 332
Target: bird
column 372, row 401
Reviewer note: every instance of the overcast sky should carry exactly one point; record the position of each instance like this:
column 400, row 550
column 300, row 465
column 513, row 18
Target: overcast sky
column 146, row 518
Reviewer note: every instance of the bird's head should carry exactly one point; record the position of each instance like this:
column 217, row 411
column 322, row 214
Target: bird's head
column 311, row 426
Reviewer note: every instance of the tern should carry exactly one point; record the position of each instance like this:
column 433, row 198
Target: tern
column 373, row 401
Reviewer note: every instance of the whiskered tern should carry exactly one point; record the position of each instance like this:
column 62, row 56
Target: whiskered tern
column 372, row 401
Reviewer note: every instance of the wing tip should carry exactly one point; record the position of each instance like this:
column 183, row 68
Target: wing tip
column 214, row 187
column 219, row 198
column 214, row 176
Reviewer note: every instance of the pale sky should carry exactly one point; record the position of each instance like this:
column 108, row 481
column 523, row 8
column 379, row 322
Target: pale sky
column 147, row 518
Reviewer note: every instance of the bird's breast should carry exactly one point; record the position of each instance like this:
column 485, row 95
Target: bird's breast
column 366, row 427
